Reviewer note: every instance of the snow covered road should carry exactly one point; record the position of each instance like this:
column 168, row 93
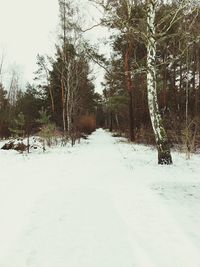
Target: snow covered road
column 103, row 203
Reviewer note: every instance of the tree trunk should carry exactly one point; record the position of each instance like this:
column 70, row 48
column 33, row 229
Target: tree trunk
column 195, row 90
column 164, row 155
column 180, row 85
column 69, row 99
column 198, row 90
column 63, row 93
column 111, row 122
column 164, row 82
column 117, row 122
column 131, row 118
column 130, row 93
column 52, row 100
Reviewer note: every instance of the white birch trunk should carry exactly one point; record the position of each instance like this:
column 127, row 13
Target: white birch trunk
column 164, row 156
column 68, row 97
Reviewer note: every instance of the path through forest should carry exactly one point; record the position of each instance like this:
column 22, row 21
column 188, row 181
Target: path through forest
column 103, row 203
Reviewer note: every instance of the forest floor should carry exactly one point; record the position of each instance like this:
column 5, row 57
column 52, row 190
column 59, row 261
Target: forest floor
column 102, row 203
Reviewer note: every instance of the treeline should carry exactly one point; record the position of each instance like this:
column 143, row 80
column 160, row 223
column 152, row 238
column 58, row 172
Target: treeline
column 176, row 42
column 63, row 97
column 151, row 91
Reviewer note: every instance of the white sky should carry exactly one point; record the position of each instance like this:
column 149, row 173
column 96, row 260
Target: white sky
column 28, row 27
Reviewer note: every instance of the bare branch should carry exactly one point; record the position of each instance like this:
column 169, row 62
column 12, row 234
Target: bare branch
column 92, row 27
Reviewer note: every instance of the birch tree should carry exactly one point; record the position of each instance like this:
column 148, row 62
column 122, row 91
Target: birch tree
column 164, row 155
column 69, row 79
column 64, row 9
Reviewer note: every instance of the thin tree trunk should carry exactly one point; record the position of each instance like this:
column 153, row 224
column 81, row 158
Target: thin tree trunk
column 117, row 122
column 187, row 131
column 1, row 66
column 164, row 82
column 164, row 155
column 130, row 93
column 131, row 117
column 198, row 90
column 63, row 89
column 69, row 100
column 111, row 122
column 180, row 85
column 52, row 100
column 195, row 66
column 175, row 90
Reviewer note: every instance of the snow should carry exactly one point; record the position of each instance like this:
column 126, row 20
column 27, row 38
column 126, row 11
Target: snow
column 102, row 203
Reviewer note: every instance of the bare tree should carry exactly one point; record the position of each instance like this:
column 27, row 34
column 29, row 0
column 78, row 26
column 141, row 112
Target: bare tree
column 70, row 42
column 13, row 88
column 1, row 66
column 164, row 155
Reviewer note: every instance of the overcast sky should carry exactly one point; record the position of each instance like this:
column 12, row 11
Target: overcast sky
column 29, row 27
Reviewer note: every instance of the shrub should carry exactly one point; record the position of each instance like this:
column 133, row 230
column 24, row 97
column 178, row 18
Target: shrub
column 87, row 124
column 47, row 132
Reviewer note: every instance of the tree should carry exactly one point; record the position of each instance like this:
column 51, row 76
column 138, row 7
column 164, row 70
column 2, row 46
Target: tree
column 164, row 155
column 67, row 51
column 119, row 15
column 47, row 129
column 43, row 70
column 68, row 83
column 4, row 109
column 29, row 103
column 19, row 129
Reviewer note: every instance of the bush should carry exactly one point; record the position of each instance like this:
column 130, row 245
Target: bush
column 19, row 146
column 47, row 132
column 4, row 130
column 87, row 124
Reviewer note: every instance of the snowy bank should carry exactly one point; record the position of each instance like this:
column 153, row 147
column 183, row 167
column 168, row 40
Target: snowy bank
column 102, row 203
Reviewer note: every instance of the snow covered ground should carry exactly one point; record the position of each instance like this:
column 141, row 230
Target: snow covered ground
column 102, row 203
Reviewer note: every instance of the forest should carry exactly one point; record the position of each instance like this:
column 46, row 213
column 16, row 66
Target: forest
column 151, row 88
column 102, row 172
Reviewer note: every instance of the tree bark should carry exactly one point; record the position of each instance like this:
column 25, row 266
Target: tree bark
column 131, row 117
column 164, row 155
column 63, row 93
column 111, row 122
column 69, row 100
column 129, row 84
